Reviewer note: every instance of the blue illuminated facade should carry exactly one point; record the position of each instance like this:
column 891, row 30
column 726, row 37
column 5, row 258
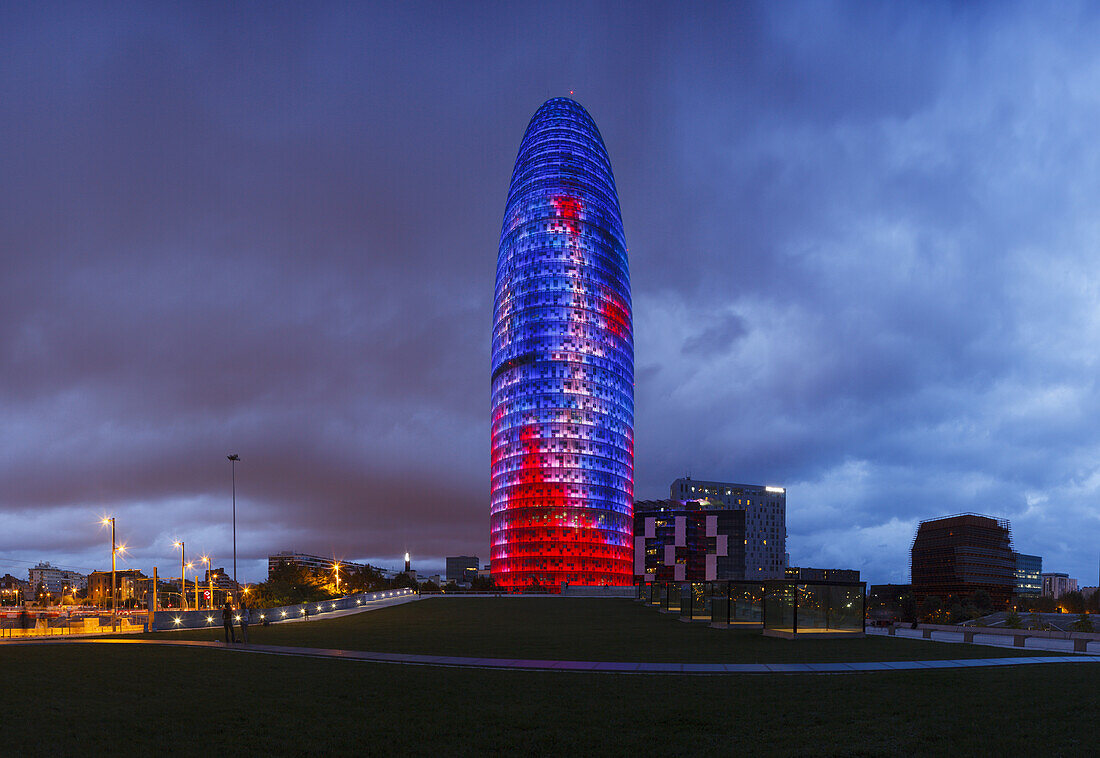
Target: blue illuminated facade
column 562, row 488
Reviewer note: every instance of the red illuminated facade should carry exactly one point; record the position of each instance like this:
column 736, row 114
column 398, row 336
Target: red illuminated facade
column 562, row 477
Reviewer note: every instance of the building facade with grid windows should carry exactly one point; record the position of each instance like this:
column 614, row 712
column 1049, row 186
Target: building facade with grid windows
column 562, row 366
column 958, row 555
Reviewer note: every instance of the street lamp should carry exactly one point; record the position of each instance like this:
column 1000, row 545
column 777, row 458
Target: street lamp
column 233, row 465
column 114, row 595
column 183, row 576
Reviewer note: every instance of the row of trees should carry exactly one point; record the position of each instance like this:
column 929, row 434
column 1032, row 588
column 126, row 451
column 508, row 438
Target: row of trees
column 290, row 584
column 955, row 609
column 1071, row 602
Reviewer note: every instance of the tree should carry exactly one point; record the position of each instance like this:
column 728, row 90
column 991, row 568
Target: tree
column 483, row 584
column 363, row 580
column 1083, row 624
column 429, row 586
column 403, row 580
column 982, row 601
column 931, row 608
column 1072, row 602
column 1035, row 621
column 907, row 607
column 289, row 584
column 1013, row 621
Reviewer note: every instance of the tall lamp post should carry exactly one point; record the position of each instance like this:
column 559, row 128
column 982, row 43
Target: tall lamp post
column 183, row 576
column 114, row 595
column 233, row 465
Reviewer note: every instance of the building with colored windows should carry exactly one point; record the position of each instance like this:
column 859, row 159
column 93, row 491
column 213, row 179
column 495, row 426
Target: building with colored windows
column 765, row 519
column 1029, row 570
column 562, row 367
column 686, row 542
column 956, row 556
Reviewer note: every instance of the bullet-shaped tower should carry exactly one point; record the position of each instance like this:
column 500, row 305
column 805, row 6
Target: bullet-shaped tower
column 562, row 489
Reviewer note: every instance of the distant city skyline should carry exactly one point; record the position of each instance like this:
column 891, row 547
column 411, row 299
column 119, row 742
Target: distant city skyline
column 862, row 247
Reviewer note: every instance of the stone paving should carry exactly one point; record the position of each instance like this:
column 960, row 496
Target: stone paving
column 642, row 667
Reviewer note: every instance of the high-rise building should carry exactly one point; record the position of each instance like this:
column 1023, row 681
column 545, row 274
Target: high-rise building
column 461, row 568
column 1029, row 569
column 765, row 519
column 959, row 555
column 562, row 373
column 1055, row 584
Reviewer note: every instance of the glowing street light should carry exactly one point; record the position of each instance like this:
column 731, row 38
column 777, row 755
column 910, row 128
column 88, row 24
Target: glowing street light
column 114, row 595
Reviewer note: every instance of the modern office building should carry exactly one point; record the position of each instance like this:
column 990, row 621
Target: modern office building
column 1055, row 585
column 684, row 542
column 765, row 510
column 461, row 568
column 1029, row 569
column 959, row 555
column 311, row 562
column 562, row 368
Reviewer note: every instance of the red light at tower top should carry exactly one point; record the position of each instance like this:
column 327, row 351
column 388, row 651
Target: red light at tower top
column 562, row 366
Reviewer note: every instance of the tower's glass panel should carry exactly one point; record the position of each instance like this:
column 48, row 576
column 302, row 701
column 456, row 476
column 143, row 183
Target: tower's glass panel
column 562, row 489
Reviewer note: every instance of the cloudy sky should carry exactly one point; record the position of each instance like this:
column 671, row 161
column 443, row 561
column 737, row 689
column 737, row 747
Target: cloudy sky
column 864, row 248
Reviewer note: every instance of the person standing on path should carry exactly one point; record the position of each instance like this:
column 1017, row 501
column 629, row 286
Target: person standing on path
column 227, row 622
column 245, row 618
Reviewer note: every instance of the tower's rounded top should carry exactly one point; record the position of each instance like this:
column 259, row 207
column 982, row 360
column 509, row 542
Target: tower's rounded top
column 563, row 146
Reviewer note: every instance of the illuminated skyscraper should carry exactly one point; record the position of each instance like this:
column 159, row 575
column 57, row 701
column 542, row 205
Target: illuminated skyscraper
column 562, row 488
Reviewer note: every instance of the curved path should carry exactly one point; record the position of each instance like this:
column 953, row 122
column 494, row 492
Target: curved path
column 596, row 666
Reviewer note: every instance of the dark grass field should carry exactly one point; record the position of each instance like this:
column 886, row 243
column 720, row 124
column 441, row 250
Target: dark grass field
column 98, row 699
column 578, row 629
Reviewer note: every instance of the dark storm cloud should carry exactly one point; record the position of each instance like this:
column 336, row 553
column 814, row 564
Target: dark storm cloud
column 861, row 242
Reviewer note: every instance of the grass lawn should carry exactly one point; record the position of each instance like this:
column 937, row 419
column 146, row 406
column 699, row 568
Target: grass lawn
column 578, row 629
column 97, row 699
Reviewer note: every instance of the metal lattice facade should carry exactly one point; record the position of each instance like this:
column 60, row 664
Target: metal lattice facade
column 562, row 489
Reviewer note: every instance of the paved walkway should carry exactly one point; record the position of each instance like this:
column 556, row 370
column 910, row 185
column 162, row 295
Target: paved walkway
column 591, row 666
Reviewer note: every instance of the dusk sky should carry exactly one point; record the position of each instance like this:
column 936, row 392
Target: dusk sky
column 864, row 247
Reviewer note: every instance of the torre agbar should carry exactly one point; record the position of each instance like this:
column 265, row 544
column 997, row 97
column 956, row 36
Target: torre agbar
column 562, row 488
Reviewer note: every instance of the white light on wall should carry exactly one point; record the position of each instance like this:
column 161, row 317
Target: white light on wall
column 774, row 489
